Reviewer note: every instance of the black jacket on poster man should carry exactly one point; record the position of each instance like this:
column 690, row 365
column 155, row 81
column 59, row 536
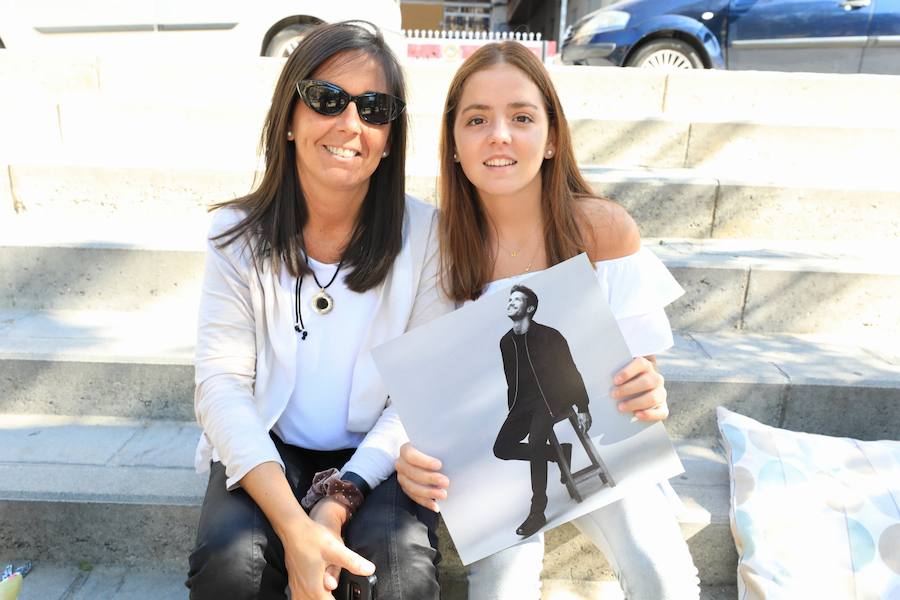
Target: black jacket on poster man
column 560, row 382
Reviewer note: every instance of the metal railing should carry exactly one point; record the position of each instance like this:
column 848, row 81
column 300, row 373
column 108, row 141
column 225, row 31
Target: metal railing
column 456, row 46
column 444, row 34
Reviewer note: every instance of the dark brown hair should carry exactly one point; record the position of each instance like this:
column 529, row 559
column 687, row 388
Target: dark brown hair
column 465, row 258
column 276, row 210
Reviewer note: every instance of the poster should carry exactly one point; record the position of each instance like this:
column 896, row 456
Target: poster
column 487, row 388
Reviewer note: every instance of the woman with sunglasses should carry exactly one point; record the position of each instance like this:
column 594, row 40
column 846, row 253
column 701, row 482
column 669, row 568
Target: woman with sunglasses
column 514, row 202
column 324, row 260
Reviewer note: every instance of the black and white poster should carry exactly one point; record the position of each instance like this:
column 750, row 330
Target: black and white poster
column 512, row 394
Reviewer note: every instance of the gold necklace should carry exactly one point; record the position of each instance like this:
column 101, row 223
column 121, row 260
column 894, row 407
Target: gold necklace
column 533, row 256
column 531, row 260
column 515, row 253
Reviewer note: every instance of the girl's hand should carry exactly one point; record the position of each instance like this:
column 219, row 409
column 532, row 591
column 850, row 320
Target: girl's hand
column 641, row 390
column 419, row 476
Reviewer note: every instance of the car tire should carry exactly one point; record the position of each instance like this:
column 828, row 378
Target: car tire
column 283, row 43
column 667, row 53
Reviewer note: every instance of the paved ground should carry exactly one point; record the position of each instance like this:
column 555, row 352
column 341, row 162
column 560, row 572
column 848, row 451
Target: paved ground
column 50, row 582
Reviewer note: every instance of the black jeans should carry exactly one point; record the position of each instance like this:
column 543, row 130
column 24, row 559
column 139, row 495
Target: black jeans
column 529, row 417
column 238, row 555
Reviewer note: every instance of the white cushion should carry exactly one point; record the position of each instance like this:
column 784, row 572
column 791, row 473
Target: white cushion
column 812, row 516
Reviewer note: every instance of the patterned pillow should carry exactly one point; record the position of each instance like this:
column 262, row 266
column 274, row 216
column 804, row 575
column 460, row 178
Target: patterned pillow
column 812, row 516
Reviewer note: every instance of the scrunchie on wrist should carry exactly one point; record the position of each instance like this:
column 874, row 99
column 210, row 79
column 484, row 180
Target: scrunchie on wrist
column 329, row 483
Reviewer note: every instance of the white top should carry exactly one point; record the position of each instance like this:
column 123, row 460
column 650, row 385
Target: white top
column 316, row 414
column 638, row 287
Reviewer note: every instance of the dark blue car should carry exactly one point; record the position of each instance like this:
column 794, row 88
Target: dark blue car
column 828, row 36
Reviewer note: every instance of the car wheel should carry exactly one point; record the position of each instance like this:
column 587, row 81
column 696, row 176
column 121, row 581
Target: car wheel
column 283, row 43
column 666, row 54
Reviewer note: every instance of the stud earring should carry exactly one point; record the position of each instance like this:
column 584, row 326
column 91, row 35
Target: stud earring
column 455, row 157
column 549, row 153
column 290, row 135
column 384, row 154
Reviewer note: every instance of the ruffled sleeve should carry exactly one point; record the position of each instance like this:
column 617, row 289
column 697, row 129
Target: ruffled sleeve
column 638, row 287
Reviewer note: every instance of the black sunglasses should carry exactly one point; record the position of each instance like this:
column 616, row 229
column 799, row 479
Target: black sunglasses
column 328, row 99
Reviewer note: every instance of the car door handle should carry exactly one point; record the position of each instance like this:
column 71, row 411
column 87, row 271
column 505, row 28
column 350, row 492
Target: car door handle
column 854, row 4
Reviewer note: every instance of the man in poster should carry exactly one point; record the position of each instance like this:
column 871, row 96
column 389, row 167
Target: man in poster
column 543, row 384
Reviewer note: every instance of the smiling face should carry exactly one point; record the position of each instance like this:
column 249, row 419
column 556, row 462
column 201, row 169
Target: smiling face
column 517, row 306
column 340, row 153
column 501, row 132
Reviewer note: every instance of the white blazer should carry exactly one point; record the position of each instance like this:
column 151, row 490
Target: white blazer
column 246, row 350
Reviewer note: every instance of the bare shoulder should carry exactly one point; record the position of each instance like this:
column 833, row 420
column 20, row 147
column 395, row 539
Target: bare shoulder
column 609, row 231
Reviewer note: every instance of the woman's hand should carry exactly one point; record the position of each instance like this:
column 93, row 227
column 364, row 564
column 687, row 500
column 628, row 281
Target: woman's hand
column 332, row 515
column 312, row 556
column 641, row 390
column 309, row 546
column 419, row 476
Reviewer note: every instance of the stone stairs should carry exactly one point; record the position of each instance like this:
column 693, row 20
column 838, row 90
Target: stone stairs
column 772, row 199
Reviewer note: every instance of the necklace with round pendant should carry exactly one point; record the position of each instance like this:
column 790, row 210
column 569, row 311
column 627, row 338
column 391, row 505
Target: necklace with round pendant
column 322, row 302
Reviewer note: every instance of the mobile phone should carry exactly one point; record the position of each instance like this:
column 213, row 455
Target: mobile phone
column 356, row 587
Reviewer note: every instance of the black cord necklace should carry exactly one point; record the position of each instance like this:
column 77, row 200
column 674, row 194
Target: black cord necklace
column 321, row 302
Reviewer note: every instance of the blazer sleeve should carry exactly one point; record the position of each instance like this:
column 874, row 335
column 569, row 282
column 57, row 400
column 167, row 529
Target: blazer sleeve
column 375, row 457
column 225, row 360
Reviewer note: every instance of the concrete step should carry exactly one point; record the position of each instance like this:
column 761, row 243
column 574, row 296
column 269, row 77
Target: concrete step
column 687, row 203
column 101, row 489
column 797, row 97
column 729, row 148
column 806, row 97
column 102, row 130
column 819, row 384
column 139, row 365
column 135, row 262
column 121, row 262
column 69, row 582
column 98, row 363
column 796, row 287
column 682, row 203
column 98, row 489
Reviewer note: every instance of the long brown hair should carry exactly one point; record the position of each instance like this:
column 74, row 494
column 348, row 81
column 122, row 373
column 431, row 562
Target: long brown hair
column 465, row 258
column 276, row 211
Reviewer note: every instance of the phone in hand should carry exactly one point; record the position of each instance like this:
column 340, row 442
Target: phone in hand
column 356, row 587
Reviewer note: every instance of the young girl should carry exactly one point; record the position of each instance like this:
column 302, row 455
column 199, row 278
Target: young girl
column 514, row 202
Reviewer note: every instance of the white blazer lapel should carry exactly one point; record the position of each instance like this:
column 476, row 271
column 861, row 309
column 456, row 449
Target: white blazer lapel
column 276, row 362
column 368, row 393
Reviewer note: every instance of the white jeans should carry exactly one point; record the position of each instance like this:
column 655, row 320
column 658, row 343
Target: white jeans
column 640, row 537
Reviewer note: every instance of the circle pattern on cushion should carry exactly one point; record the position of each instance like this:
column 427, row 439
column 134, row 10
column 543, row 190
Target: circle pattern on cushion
column 889, row 548
column 812, row 515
